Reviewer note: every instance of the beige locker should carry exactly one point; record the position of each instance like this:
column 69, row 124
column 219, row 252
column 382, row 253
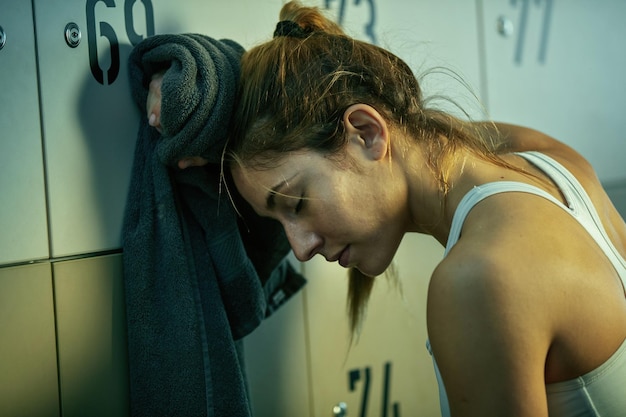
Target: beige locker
column 388, row 372
column 91, row 332
column 558, row 66
column 439, row 40
column 23, row 209
column 28, row 366
column 277, row 363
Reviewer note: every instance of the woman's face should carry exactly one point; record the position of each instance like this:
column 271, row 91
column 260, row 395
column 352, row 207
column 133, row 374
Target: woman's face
column 352, row 211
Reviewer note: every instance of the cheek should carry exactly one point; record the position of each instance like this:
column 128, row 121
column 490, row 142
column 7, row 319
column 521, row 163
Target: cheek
column 341, row 219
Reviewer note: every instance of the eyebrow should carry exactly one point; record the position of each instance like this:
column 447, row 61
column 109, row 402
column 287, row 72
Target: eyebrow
column 270, row 201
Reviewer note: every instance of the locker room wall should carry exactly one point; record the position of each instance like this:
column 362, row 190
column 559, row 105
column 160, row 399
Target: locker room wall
column 66, row 144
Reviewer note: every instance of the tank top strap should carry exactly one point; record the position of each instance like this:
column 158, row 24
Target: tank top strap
column 479, row 193
column 582, row 208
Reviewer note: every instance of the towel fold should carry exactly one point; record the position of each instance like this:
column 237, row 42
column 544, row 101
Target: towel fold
column 192, row 291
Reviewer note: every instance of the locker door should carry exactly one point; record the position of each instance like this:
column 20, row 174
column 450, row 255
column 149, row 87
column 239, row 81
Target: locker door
column 23, row 209
column 91, row 332
column 438, row 40
column 277, row 363
column 559, row 66
column 89, row 121
column 389, row 371
column 28, row 367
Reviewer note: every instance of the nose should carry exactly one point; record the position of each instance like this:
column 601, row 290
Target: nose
column 304, row 243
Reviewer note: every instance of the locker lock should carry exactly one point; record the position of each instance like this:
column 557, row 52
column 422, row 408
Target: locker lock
column 3, row 38
column 505, row 26
column 340, row 410
column 72, row 35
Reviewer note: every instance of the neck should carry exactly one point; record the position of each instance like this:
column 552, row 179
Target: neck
column 432, row 208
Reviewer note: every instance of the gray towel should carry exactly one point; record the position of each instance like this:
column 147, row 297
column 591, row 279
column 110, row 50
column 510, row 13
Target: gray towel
column 192, row 291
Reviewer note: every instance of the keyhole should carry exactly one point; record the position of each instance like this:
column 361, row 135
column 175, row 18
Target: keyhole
column 3, row 38
column 72, row 35
column 505, row 26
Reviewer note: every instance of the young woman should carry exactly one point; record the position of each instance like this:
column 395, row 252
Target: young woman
column 526, row 312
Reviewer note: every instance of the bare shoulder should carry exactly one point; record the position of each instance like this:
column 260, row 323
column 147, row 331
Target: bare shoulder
column 484, row 320
column 478, row 275
column 495, row 291
column 520, row 139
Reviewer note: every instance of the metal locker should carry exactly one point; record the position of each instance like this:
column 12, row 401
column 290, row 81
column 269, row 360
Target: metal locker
column 558, row 67
column 388, row 371
column 91, row 333
column 277, row 363
column 28, row 368
column 89, row 121
column 23, row 221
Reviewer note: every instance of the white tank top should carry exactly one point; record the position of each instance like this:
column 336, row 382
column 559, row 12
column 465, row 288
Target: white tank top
column 601, row 392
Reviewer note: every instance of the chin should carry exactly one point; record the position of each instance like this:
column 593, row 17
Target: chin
column 373, row 263
column 371, row 271
column 367, row 274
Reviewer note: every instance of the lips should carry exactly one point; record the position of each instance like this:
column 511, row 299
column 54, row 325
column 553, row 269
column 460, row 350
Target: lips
column 344, row 257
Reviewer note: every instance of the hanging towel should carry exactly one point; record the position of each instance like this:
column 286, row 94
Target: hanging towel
column 192, row 291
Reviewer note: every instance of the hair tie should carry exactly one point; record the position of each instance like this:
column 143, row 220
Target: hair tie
column 291, row 29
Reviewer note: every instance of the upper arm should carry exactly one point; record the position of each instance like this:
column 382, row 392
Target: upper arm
column 488, row 341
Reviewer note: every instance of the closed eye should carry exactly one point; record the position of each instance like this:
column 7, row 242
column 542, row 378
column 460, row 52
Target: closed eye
column 300, row 205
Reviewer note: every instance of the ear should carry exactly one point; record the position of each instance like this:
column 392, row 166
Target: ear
column 366, row 127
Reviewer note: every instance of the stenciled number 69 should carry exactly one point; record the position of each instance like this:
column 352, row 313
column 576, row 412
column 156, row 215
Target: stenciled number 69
column 107, row 31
